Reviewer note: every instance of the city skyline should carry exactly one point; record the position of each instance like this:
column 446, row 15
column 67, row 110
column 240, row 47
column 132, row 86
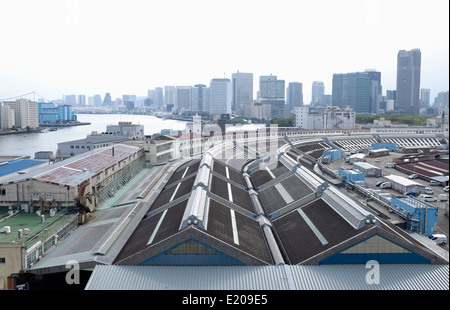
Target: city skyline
column 76, row 47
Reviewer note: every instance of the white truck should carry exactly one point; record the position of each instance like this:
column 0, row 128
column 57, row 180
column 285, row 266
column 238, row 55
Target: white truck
column 386, row 185
column 439, row 238
column 443, row 197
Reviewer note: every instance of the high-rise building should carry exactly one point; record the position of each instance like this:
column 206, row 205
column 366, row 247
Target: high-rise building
column 7, row 117
column 408, row 81
column 107, row 100
column 294, row 95
column 183, row 102
column 375, row 89
column 81, row 100
column 158, row 100
column 318, row 91
column 441, row 100
column 26, row 113
column 170, row 96
column 353, row 90
column 271, row 88
column 220, row 96
column 70, row 99
column 200, row 98
column 425, row 97
column 272, row 91
column 242, row 90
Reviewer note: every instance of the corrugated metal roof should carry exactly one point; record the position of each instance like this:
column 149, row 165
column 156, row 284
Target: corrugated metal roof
column 280, row 277
column 75, row 170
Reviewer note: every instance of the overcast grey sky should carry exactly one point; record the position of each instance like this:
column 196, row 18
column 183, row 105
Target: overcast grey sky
column 57, row 47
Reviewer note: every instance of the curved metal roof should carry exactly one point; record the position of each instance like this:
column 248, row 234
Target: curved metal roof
column 279, row 277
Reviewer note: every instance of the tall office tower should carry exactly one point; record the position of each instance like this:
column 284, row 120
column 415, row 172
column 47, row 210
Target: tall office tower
column 82, row 100
column 408, row 81
column 183, row 102
column 441, row 101
column 425, row 97
column 170, row 96
column 70, row 99
column 129, row 101
column 158, row 101
column 97, row 100
column 157, row 97
column 375, row 89
column 272, row 91
column 107, row 100
column 151, row 95
column 271, row 88
column 352, row 89
column 318, row 90
column 220, row 96
column 391, row 95
column 200, row 98
column 295, row 95
column 242, row 90
column 327, row 100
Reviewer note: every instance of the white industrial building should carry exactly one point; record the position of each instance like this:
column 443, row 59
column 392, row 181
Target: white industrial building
column 367, row 169
column 404, row 185
column 114, row 134
column 328, row 118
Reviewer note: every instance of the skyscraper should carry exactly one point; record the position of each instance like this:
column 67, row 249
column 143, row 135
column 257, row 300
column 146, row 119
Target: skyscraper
column 352, row 89
column 375, row 89
column 242, row 90
column 425, row 97
column 107, row 100
column 200, row 98
column 408, row 81
column 170, row 96
column 318, row 90
column 70, row 99
column 158, row 101
column 272, row 91
column 183, row 102
column 82, row 100
column 220, row 96
column 295, row 95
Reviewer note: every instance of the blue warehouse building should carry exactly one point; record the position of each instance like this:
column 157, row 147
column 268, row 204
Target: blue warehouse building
column 334, row 154
column 49, row 113
column 351, row 176
column 390, row 146
column 421, row 216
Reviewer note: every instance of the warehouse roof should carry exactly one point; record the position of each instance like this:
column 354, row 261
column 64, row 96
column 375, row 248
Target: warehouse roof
column 279, row 277
column 73, row 171
column 401, row 180
column 365, row 165
column 16, row 165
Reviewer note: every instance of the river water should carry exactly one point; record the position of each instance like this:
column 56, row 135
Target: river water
column 30, row 143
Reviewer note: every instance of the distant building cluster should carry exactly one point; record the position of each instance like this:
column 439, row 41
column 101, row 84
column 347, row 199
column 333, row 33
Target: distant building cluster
column 360, row 92
column 25, row 114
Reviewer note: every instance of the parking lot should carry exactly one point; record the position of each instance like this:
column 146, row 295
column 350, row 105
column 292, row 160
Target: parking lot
column 443, row 220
